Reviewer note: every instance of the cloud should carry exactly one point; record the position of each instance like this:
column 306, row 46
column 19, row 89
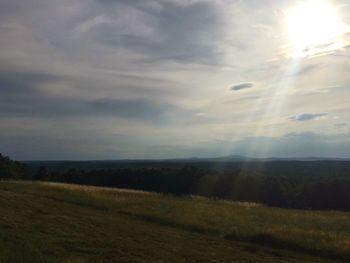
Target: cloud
column 307, row 69
column 334, row 87
column 90, row 23
column 340, row 125
column 242, row 86
column 303, row 70
column 308, row 116
column 48, row 107
column 138, row 109
column 75, row 69
column 38, row 94
column 172, row 31
column 304, row 144
column 18, row 81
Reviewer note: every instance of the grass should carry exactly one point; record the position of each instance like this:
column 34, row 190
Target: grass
column 46, row 222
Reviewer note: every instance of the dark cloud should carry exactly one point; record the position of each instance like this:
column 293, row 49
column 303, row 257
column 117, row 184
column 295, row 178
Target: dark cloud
column 242, row 86
column 21, row 93
column 50, row 107
column 58, row 107
column 141, row 110
column 181, row 32
column 24, row 93
column 18, row 80
column 308, row 116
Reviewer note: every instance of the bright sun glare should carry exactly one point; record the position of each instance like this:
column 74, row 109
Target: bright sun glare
column 314, row 28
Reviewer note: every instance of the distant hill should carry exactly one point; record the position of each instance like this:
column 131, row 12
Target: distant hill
column 229, row 158
column 269, row 159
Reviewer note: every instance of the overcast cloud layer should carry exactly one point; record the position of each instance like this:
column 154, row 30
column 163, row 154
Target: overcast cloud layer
column 113, row 79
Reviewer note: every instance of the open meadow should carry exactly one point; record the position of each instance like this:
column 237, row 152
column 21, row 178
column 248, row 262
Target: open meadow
column 50, row 222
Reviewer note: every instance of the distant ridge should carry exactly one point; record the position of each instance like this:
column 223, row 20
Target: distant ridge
column 229, row 158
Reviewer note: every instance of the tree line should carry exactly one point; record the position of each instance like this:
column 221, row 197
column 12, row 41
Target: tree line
column 12, row 169
column 252, row 185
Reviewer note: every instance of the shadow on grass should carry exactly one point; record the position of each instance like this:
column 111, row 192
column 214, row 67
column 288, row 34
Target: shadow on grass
column 263, row 239
column 167, row 223
column 266, row 239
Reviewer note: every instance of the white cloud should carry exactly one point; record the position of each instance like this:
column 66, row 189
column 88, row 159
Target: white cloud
column 90, row 23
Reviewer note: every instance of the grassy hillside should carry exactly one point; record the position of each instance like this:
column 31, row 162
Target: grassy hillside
column 44, row 222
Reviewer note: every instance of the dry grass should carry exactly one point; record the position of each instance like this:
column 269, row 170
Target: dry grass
column 69, row 218
column 92, row 189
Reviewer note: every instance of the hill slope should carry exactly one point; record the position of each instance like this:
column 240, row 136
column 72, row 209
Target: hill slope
column 44, row 222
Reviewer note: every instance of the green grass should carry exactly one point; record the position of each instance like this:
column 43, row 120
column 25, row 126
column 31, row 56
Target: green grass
column 42, row 222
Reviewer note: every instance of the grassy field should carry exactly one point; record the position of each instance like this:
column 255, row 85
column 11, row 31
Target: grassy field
column 44, row 222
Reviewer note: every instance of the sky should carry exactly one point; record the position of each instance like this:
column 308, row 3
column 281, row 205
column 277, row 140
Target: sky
column 137, row 79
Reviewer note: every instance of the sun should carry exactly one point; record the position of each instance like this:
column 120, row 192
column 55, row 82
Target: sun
column 314, row 27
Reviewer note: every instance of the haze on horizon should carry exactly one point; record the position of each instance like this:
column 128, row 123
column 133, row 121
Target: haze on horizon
column 118, row 79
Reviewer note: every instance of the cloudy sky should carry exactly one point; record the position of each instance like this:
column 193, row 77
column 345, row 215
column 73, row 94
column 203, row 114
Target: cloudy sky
column 115, row 79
